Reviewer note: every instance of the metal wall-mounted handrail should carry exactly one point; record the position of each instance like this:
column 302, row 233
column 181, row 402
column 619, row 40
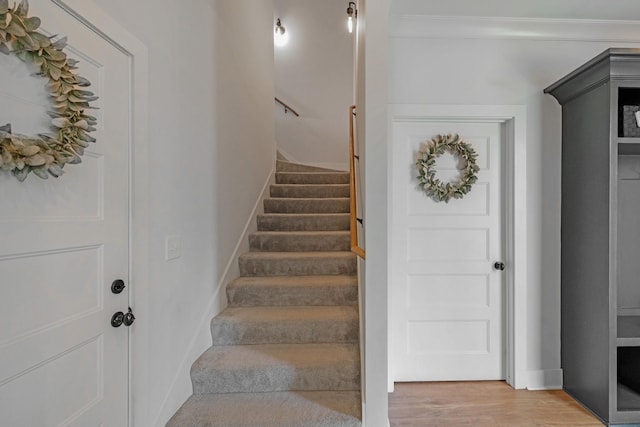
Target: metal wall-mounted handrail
column 355, row 246
column 286, row 107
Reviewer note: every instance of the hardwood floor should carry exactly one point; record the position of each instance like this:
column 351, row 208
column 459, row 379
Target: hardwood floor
column 483, row 404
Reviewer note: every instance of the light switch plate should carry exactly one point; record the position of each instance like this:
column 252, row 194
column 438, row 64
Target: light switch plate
column 172, row 247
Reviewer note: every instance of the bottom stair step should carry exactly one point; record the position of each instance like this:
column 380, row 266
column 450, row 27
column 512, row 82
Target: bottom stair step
column 277, row 367
column 281, row 409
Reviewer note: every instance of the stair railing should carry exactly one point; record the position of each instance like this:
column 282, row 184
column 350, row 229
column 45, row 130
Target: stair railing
column 355, row 245
column 286, row 107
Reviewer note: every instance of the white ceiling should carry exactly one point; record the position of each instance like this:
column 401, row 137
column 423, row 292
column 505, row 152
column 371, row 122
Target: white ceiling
column 560, row 9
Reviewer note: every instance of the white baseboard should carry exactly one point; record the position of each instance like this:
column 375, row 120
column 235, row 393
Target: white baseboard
column 181, row 387
column 232, row 269
column 384, row 423
column 281, row 156
column 288, row 157
column 549, row 379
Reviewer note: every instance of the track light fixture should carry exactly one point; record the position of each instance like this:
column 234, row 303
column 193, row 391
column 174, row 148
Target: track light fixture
column 352, row 14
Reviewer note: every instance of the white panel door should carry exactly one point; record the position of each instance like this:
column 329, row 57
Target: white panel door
column 63, row 241
column 446, row 296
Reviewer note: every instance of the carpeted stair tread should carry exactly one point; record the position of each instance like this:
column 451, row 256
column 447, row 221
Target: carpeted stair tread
column 308, row 205
column 285, row 166
column 277, row 367
column 293, row 291
column 312, row 178
column 285, row 325
column 299, row 222
column 278, row 409
column 291, row 241
column 285, row 351
column 309, row 190
column 297, row 263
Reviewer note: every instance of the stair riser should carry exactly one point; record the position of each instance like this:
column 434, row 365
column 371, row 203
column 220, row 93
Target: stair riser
column 309, row 191
column 281, row 378
column 293, row 243
column 311, row 178
column 284, row 332
column 303, row 223
column 288, row 267
column 257, row 296
column 306, row 205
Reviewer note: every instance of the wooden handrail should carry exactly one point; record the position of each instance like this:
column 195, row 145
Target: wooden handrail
column 355, row 247
column 286, row 107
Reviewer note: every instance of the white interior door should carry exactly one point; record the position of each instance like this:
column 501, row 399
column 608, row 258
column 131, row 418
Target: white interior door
column 63, row 241
column 447, row 297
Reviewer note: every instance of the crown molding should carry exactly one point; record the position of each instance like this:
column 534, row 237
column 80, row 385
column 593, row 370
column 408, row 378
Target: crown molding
column 471, row 27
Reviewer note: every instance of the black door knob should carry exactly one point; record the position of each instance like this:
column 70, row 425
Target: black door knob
column 117, row 286
column 499, row 266
column 117, row 319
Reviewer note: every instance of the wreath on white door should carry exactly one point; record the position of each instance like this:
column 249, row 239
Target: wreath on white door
column 434, row 148
column 47, row 153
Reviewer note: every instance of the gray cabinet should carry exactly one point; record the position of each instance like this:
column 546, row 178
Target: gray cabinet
column 601, row 234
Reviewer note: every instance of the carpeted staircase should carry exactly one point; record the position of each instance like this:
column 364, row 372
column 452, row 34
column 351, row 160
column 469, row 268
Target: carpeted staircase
column 285, row 352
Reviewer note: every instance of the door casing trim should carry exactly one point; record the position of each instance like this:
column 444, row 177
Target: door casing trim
column 90, row 14
column 513, row 118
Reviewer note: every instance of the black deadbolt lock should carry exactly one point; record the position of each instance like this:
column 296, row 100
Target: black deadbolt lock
column 117, row 286
column 499, row 266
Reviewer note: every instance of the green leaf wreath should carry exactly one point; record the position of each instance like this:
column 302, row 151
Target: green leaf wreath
column 438, row 190
column 45, row 154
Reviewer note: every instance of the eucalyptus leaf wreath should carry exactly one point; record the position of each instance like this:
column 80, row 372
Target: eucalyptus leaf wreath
column 47, row 153
column 434, row 148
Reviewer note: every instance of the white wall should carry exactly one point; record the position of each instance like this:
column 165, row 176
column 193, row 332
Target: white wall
column 211, row 150
column 371, row 99
column 491, row 66
column 314, row 75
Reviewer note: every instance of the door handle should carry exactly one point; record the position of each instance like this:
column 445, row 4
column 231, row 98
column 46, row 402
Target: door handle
column 499, row 266
column 119, row 318
column 129, row 318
